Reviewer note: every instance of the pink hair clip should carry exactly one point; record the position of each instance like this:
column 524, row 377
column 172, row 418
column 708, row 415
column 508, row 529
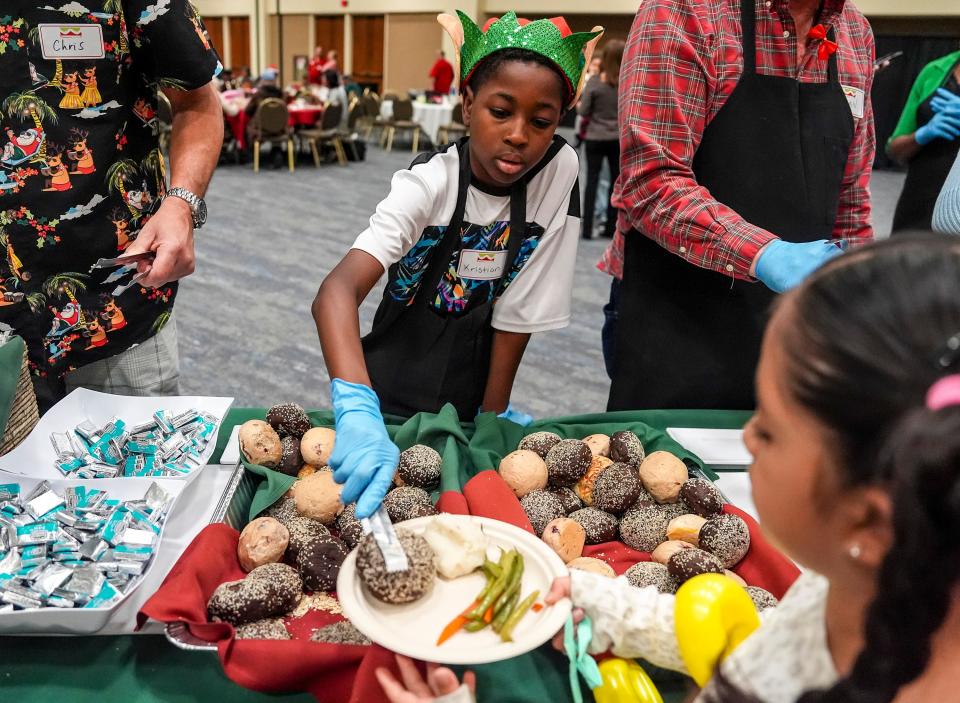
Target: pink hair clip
column 944, row 393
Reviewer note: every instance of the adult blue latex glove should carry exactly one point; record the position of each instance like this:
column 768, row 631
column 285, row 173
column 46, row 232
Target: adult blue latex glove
column 945, row 101
column 783, row 265
column 944, row 125
column 517, row 416
column 364, row 458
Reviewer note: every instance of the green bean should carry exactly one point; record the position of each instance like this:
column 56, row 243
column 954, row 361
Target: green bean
column 513, row 585
column 490, row 597
column 501, row 618
column 507, row 631
column 475, row 626
column 491, row 569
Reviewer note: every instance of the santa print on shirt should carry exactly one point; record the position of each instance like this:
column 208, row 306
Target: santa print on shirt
column 81, row 169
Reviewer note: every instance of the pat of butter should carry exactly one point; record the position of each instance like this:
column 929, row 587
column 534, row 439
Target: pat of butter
column 459, row 546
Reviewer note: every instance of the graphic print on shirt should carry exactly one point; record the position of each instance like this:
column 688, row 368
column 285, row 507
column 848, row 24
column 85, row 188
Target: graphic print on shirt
column 456, row 295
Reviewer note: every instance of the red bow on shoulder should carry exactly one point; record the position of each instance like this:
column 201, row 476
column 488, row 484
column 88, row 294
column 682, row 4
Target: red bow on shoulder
column 827, row 47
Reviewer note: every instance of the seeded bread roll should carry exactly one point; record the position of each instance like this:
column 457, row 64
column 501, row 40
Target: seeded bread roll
column 567, row 462
column 727, row 537
column 688, row 563
column 539, row 442
column 408, row 502
column 626, row 448
column 403, row 586
column 260, row 443
column 290, row 459
column 524, row 471
column 267, row 591
column 289, row 420
column 541, row 507
column 319, row 564
column 419, row 466
column 584, row 487
column 650, row 573
column 702, row 496
column 616, row 488
column 599, row 526
column 567, row 498
column 761, row 598
column 644, row 528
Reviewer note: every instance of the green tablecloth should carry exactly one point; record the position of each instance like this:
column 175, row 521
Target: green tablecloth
column 146, row 668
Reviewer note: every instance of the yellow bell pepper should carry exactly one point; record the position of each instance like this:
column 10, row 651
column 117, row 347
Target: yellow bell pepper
column 714, row 615
column 625, row 682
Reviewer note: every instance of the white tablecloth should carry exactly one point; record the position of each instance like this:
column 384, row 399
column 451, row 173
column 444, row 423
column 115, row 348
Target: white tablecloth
column 430, row 116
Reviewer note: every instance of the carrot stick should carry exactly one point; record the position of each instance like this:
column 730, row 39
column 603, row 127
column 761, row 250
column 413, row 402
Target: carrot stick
column 488, row 616
column 454, row 625
column 537, row 607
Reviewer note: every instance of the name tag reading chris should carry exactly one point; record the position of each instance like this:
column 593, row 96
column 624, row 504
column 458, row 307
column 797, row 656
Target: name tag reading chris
column 481, row 265
column 71, row 41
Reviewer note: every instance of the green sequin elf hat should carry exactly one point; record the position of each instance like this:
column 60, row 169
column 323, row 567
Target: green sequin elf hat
column 551, row 38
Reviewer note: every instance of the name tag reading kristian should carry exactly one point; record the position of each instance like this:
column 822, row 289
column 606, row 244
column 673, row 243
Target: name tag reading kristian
column 481, row 265
column 73, row 41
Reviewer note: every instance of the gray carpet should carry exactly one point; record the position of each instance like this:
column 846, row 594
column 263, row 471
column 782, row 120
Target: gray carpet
column 244, row 317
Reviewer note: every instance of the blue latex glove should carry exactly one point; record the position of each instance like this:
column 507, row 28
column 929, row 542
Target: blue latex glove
column 517, row 416
column 364, row 458
column 945, row 101
column 783, row 265
column 944, row 125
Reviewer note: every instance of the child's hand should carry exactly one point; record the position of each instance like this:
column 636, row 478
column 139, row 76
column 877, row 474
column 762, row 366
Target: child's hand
column 558, row 591
column 440, row 682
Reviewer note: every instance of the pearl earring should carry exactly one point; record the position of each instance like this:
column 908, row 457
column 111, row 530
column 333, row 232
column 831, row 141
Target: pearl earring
column 855, row 551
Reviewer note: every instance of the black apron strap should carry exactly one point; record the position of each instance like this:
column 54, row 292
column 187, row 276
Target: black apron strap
column 833, row 74
column 749, row 26
column 440, row 258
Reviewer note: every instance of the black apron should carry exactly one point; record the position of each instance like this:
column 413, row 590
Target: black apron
column 926, row 172
column 420, row 358
column 775, row 153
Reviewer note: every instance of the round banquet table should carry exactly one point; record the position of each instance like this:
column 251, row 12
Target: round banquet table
column 146, row 668
column 304, row 116
column 430, row 116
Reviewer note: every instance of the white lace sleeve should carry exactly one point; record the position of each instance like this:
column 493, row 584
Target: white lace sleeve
column 631, row 622
column 461, row 695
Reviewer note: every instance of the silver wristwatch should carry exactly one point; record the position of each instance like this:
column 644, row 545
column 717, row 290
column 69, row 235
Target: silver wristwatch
column 197, row 205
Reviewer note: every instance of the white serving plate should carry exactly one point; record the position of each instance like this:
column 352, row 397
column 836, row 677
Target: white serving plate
column 35, row 456
column 413, row 629
column 86, row 621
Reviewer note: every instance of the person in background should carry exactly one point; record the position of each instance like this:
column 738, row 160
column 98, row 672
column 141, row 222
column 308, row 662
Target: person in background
column 598, row 107
column 331, row 62
column 114, row 199
column 442, row 74
column 747, row 141
column 337, row 94
column 266, row 88
column 855, row 474
column 946, row 213
column 580, row 122
column 315, row 67
column 927, row 141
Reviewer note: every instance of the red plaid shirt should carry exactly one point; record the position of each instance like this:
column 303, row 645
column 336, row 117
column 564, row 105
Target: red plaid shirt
column 682, row 61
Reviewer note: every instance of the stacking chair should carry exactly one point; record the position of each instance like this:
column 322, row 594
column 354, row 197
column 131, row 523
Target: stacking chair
column 371, row 115
column 328, row 133
column 271, row 124
column 354, row 116
column 403, row 121
column 456, row 126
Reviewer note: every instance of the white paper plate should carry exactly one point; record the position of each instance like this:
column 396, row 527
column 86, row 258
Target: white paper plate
column 413, row 629
column 86, row 621
column 714, row 447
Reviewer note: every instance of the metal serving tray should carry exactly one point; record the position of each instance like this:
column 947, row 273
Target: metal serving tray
column 233, row 510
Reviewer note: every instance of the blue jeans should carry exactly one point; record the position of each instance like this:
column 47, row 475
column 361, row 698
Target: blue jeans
column 608, row 335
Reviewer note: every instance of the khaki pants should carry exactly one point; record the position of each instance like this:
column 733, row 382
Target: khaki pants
column 150, row 368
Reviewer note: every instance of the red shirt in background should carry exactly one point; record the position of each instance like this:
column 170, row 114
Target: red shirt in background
column 442, row 75
column 315, row 71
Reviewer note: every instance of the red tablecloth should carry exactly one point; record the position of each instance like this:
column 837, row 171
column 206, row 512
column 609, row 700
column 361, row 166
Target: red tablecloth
column 335, row 673
column 238, row 127
column 304, row 116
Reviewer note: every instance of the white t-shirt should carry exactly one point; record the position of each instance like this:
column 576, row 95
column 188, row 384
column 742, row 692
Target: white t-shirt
column 410, row 223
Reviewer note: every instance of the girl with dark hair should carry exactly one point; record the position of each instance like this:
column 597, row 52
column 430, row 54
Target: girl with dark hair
column 856, row 475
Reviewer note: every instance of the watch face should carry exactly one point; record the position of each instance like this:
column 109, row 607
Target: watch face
column 201, row 215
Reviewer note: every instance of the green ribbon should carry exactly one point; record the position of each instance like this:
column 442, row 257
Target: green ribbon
column 576, row 639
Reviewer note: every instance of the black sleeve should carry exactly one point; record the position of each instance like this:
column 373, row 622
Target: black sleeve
column 169, row 44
